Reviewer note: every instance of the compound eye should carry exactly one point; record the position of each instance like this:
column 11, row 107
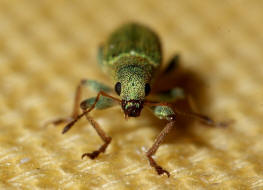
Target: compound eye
column 118, row 88
column 147, row 89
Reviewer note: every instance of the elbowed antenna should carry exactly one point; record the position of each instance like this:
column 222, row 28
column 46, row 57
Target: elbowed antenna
column 101, row 93
column 203, row 118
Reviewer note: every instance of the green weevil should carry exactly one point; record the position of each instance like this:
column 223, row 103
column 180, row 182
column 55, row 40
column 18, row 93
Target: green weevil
column 132, row 56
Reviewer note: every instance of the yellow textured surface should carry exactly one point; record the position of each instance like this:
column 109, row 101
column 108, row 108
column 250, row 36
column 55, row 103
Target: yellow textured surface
column 46, row 47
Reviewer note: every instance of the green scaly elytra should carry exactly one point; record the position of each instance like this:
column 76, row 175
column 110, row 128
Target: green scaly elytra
column 132, row 55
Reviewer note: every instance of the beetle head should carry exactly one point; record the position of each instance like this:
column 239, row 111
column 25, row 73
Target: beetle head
column 132, row 86
column 132, row 95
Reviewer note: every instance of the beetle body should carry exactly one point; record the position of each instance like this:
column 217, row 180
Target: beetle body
column 132, row 55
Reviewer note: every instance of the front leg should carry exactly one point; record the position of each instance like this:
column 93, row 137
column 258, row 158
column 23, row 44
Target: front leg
column 166, row 111
column 106, row 139
column 162, row 112
column 102, row 101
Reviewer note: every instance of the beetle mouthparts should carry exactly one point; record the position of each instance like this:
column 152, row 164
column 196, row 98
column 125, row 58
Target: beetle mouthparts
column 132, row 108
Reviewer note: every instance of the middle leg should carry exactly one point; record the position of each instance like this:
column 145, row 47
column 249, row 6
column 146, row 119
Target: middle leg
column 101, row 101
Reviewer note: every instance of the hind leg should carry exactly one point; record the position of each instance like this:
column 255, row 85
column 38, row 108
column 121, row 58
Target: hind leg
column 169, row 96
column 173, row 63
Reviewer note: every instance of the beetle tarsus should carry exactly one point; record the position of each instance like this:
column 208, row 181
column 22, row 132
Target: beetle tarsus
column 68, row 127
column 158, row 168
column 58, row 121
column 96, row 153
column 92, row 155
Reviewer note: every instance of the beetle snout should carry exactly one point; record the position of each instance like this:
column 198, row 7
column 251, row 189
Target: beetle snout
column 132, row 108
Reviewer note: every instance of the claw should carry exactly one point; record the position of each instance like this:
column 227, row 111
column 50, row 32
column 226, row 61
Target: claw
column 92, row 155
column 158, row 168
column 96, row 153
column 58, row 121
column 161, row 171
column 68, row 126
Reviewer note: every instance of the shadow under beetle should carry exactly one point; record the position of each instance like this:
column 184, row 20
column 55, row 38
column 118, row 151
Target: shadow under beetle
column 132, row 56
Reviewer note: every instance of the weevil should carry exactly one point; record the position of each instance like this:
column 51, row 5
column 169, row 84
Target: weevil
column 132, row 56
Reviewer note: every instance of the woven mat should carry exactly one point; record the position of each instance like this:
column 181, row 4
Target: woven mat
column 46, row 47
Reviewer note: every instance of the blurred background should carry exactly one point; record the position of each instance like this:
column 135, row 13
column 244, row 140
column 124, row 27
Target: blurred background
column 47, row 47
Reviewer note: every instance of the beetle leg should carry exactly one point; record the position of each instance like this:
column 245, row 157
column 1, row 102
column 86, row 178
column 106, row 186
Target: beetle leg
column 155, row 147
column 169, row 96
column 206, row 120
column 173, row 63
column 102, row 135
column 162, row 112
column 100, row 55
column 92, row 85
column 102, row 101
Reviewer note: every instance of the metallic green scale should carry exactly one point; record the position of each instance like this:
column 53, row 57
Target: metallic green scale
column 133, row 39
column 132, row 55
